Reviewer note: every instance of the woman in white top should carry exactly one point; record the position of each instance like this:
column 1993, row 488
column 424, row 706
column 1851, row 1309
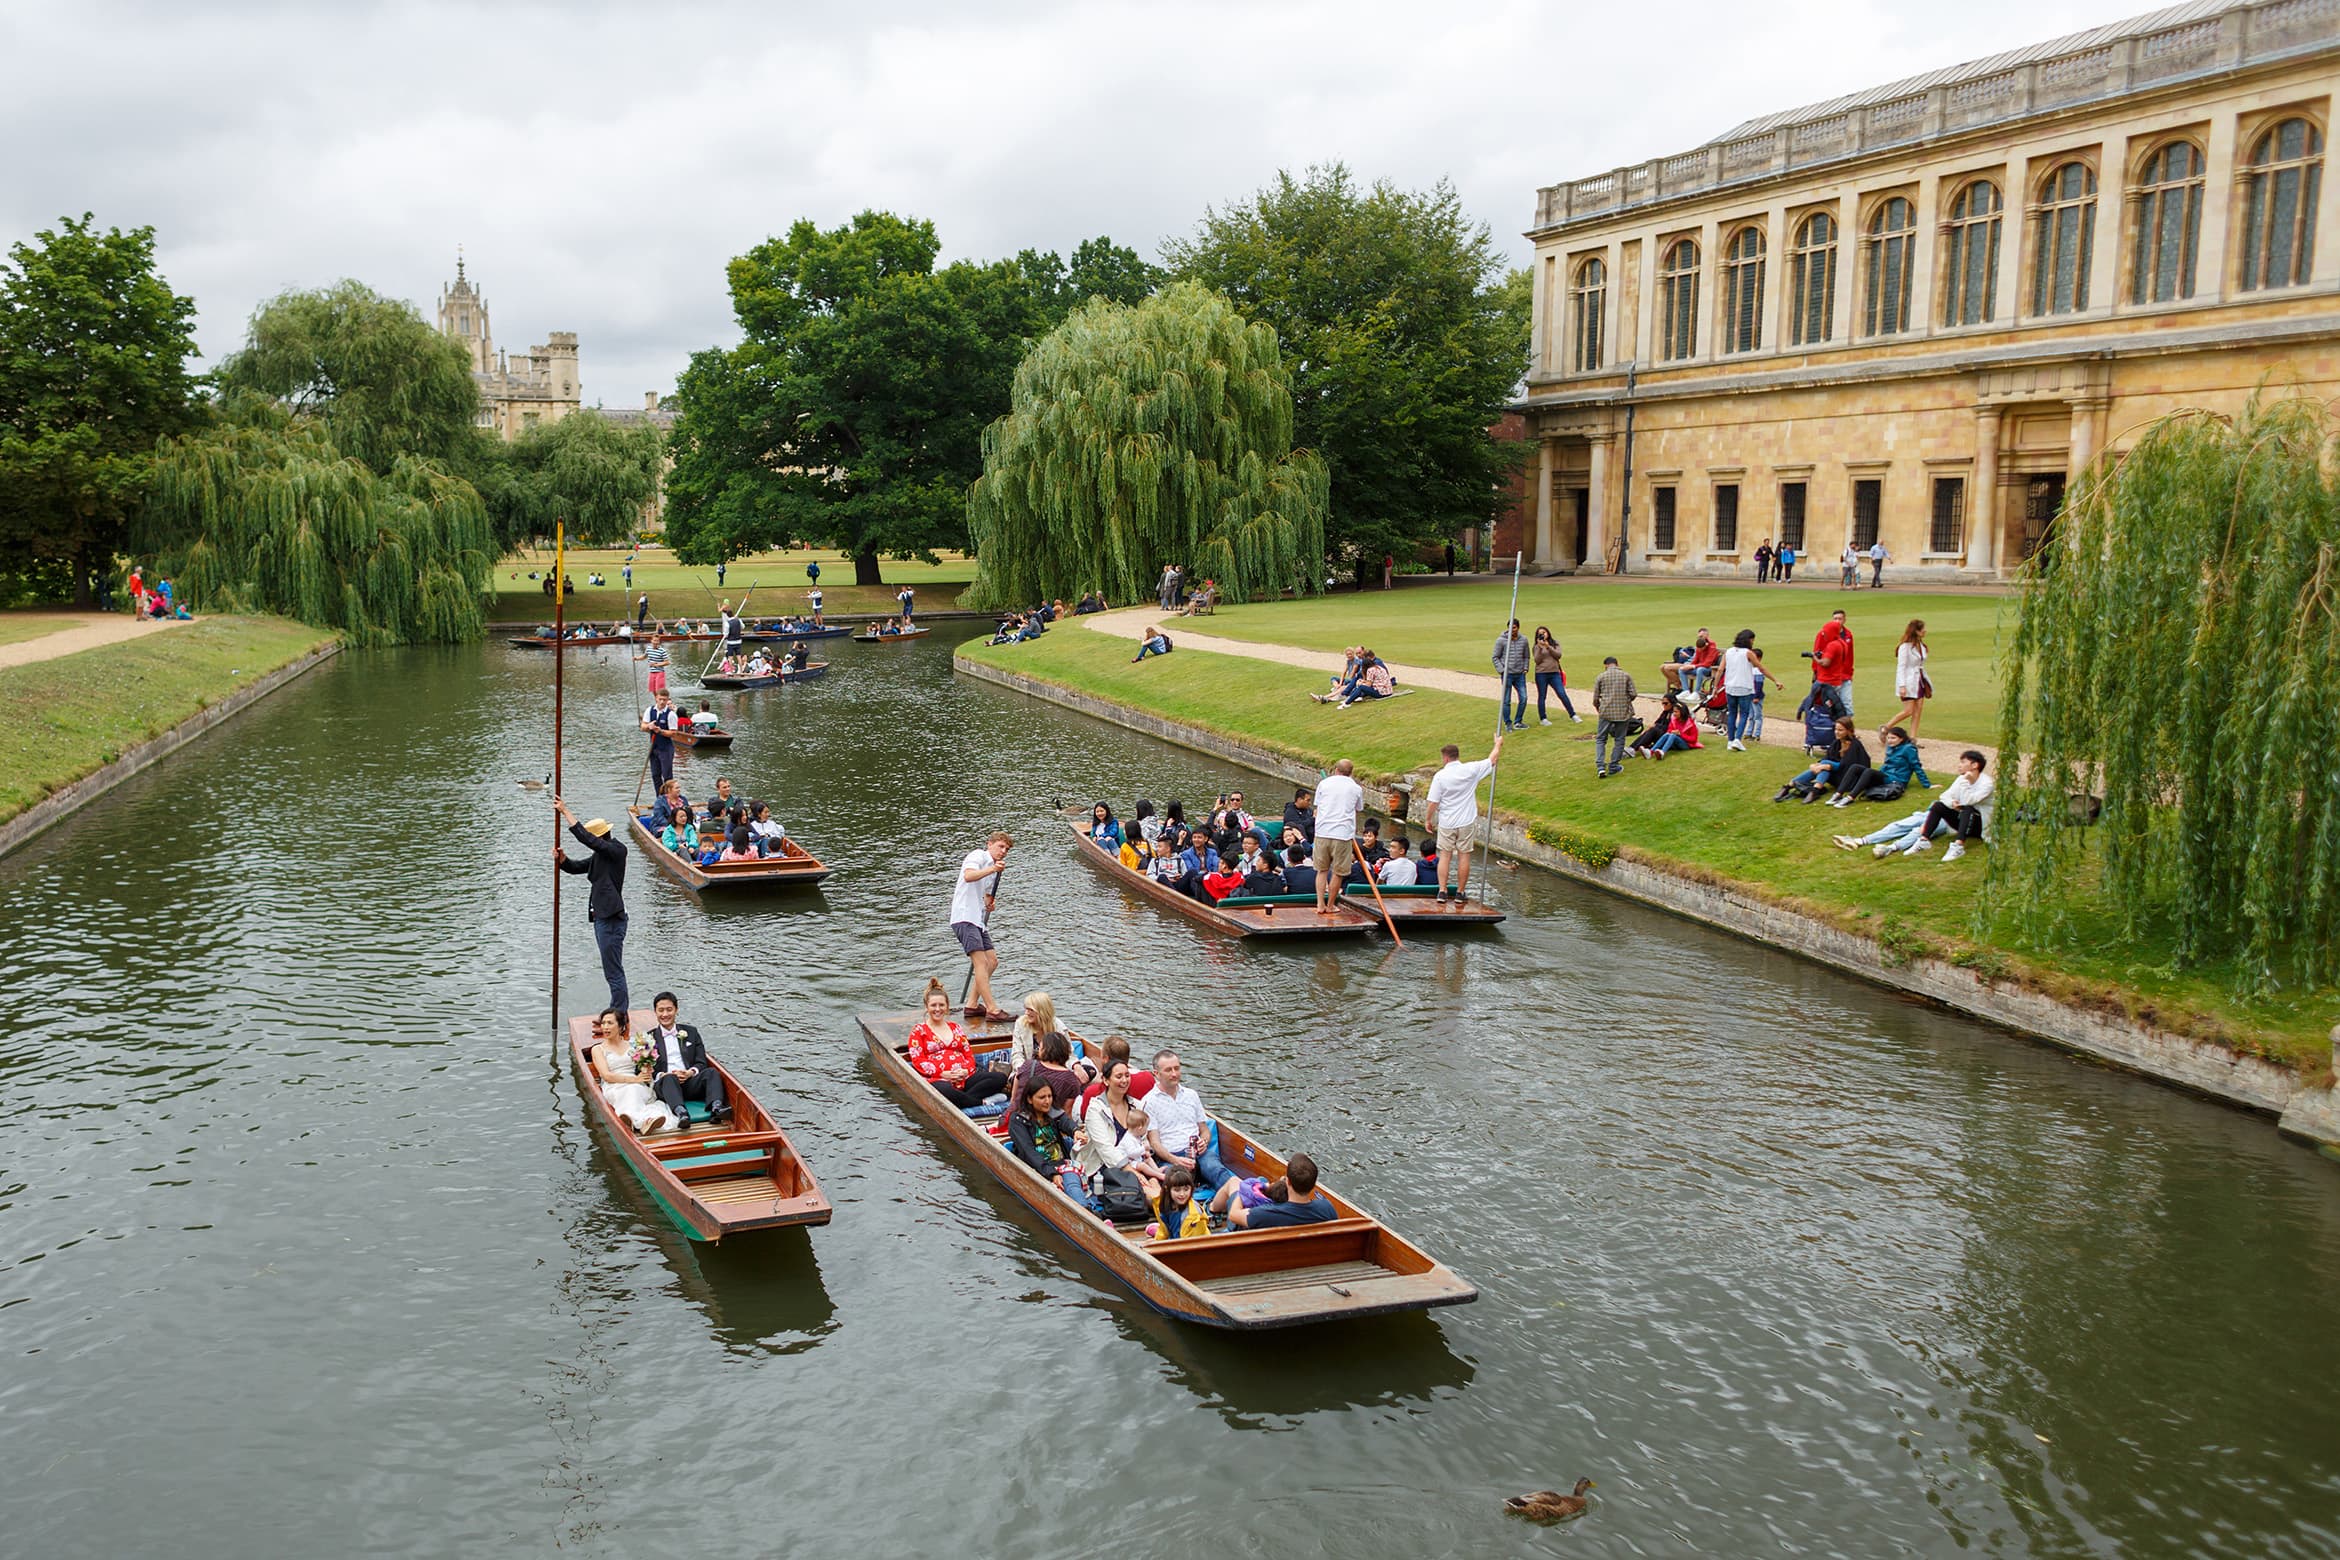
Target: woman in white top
column 1111, row 1149
column 1742, row 667
column 1910, row 683
column 624, row 1075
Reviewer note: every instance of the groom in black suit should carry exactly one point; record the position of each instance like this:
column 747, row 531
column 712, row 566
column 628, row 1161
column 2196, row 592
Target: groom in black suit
column 683, row 1071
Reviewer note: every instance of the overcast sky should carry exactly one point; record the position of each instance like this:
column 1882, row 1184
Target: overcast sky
column 599, row 164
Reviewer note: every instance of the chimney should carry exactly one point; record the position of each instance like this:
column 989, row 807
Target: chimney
column 649, row 400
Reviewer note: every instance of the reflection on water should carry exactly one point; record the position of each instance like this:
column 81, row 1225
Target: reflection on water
column 303, row 1230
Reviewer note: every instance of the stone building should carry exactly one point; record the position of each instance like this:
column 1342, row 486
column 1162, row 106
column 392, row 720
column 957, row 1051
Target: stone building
column 515, row 393
column 1915, row 313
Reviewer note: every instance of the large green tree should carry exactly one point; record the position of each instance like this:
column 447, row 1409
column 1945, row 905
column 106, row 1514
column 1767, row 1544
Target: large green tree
column 1392, row 310
column 370, row 370
column 1144, row 435
column 2176, row 655
column 93, row 371
column 852, row 414
column 585, row 471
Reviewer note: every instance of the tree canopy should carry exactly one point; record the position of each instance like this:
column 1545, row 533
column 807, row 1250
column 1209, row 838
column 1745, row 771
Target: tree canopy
column 93, row 371
column 594, row 475
column 1140, row 436
column 1405, row 347
column 370, row 370
column 2177, row 650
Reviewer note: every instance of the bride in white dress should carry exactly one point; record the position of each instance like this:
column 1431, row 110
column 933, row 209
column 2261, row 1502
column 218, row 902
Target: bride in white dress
column 625, row 1082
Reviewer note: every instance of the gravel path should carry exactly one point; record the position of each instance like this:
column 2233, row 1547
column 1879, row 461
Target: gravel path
column 83, row 631
column 1781, row 729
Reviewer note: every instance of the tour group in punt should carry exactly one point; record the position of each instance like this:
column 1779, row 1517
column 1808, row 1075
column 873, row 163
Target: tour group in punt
column 792, row 866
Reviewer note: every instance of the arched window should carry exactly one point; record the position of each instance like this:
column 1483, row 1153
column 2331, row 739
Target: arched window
column 1586, row 295
column 2066, row 234
column 2280, row 190
column 1970, row 291
column 2169, row 224
column 1743, row 291
column 1678, row 301
column 1812, row 281
column 1892, row 236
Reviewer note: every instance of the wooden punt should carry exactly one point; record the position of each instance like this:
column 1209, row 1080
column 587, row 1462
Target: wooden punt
column 1292, row 920
column 686, row 737
column 1353, row 1265
column 901, row 637
column 732, row 682
column 772, row 629
column 532, row 642
column 712, row 1181
column 1411, row 907
column 799, row 868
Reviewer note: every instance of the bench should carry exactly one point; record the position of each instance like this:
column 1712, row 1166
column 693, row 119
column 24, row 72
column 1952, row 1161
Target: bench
column 1393, row 890
column 1239, row 901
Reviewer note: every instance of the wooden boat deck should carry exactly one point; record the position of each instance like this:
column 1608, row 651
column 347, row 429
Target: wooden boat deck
column 713, row 1181
column 1352, row 1265
column 1410, row 909
column 800, row 868
column 1238, row 921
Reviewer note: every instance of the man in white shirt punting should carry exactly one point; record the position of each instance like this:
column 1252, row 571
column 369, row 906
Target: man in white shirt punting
column 1454, row 813
column 1338, row 797
column 972, row 901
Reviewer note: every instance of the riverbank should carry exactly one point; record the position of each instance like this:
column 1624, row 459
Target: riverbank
column 74, row 725
column 1683, row 835
column 689, row 590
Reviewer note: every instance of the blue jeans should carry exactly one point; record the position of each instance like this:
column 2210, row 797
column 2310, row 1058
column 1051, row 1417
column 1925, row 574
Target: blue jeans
column 1147, row 649
column 1738, row 715
column 1514, row 683
column 1899, row 830
column 1209, row 1170
column 1550, row 683
column 610, row 936
column 1666, row 744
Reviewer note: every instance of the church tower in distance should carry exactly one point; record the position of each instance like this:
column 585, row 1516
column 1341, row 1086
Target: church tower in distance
column 517, row 393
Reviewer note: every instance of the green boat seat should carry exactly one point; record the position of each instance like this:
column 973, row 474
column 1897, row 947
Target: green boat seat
column 1392, row 890
column 1237, row 901
column 696, row 1110
column 736, row 1157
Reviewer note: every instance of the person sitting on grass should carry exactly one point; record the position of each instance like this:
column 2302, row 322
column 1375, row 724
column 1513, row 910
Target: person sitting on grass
column 1373, row 682
column 1260, row 1204
column 1888, row 781
column 1674, row 731
column 1964, row 812
column 1398, row 871
column 1155, row 643
column 1846, row 752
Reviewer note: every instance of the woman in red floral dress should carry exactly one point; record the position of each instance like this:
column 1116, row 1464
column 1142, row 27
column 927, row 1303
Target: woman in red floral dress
column 939, row 1050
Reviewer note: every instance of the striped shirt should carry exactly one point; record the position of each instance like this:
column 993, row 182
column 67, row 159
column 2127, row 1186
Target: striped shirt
column 658, row 658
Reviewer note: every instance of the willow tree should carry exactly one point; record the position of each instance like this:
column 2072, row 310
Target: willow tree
column 268, row 515
column 1143, row 435
column 2177, row 654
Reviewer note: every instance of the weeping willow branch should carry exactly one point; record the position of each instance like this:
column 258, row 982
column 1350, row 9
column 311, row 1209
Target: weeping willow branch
column 273, row 518
column 2181, row 655
column 1145, row 435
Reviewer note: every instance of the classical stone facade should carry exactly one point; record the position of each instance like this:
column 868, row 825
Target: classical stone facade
column 515, row 393
column 1915, row 313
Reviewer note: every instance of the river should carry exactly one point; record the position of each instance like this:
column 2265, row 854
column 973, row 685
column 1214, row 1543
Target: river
column 306, row 1247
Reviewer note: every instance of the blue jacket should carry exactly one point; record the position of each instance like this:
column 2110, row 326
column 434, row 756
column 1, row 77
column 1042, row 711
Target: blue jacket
column 1901, row 763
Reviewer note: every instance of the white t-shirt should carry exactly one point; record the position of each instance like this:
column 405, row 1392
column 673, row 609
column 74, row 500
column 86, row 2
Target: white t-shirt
column 1738, row 671
column 1337, row 799
column 967, row 899
column 1401, row 871
column 1454, row 791
column 1174, row 1120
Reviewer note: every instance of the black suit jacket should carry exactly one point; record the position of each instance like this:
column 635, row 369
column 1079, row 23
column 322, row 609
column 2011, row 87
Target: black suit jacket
column 679, row 1050
column 605, row 870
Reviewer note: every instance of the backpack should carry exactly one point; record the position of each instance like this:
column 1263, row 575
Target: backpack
column 1167, row 647
column 1120, row 1199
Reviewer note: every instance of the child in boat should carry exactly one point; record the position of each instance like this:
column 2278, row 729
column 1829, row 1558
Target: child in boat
column 738, row 845
column 681, row 834
column 1135, row 854
column 1141, row 1162
column 1177, row 1216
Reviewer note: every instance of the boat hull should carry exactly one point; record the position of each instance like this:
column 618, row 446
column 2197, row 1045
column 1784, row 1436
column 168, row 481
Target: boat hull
column 798, row 869
column 1243, row 921
column 735, row 684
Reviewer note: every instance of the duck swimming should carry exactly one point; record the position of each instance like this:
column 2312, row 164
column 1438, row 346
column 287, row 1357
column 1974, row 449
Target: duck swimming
column 1550, row 1505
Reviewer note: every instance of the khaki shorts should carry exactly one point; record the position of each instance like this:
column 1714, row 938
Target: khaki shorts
column 1334, row 856
column 1456, row 843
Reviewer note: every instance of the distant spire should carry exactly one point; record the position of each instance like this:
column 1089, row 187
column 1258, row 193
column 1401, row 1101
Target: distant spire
column 458, row 262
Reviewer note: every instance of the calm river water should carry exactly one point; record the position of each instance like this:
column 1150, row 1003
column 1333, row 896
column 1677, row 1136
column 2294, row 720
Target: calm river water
column 306, row 1247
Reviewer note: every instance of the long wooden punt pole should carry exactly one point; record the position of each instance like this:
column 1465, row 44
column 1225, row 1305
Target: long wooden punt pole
column 560, row 637
column 1386, row 918
column 1486, row 883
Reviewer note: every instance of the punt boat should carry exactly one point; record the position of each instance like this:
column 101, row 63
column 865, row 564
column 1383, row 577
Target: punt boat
column 899, row 636
column 774, row 629
column 691, row 737
column 1352, row 1265
column 1238, row 915
column 589, row 641
column 736, row 683
column 713, row 1181
column 798, row 868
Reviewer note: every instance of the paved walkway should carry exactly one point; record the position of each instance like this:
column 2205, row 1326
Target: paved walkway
column 77, row 631
column 1781, row 728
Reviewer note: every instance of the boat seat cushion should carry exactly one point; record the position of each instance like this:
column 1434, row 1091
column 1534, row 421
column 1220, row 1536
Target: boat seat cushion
column 696, row 1110
column 1233, row 901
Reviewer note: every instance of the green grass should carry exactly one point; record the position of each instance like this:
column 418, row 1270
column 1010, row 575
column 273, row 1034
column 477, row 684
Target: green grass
column 688, row 591
column 1708, row 814
column 63, row 718
column 1454, row 626
column 17, row 627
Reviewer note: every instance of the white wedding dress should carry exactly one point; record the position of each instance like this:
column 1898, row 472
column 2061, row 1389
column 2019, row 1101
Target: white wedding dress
column 635, row 1102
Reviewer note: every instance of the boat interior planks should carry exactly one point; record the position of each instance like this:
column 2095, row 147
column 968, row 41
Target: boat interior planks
column 797, row 868
column 713, row 1181
column 1242, row 920
column 1352, row 1265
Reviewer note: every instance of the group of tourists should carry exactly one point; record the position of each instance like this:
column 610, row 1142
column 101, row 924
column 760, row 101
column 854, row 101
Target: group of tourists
column 1132, row 1146
column 759, row 663
column 732, row 828
column 1015, row 627
column 1514, row 659
column 1777, row 565
column 1363, row 675
column 1229, row 854
column 161, row 600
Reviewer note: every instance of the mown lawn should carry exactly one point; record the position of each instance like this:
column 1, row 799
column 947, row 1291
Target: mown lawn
column 1454, row 626
column 60, row 719
column 1709, row 812
column 684, row 590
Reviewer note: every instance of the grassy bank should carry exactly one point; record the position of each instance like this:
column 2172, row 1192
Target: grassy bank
column 1454, row 626
column 678, row 589
column 61, row 719
column 1708, row 814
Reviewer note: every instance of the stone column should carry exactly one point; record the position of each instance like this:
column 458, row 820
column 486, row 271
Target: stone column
column 2104, row 261
column 1596, row 530
column 1925, row 239
column 2221, row 200
column 1982, row 511
column 1540, row 552
column 2011, row 302
column 2086, row 414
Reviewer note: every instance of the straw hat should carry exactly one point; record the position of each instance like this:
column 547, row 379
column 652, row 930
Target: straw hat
column 597, row 826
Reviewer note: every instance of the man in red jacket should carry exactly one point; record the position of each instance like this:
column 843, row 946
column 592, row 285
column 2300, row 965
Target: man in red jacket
column 1832, row 658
